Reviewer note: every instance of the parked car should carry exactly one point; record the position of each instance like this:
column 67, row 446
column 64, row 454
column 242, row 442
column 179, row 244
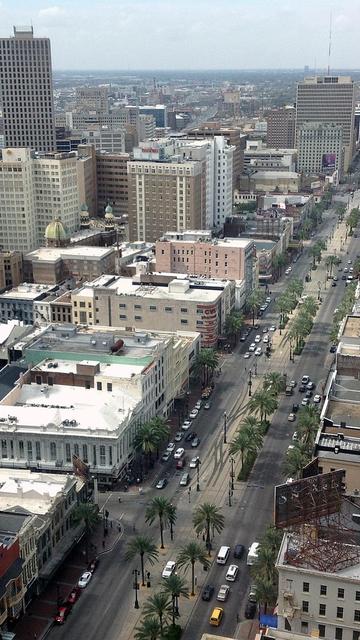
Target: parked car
column 250, row 610
column 291, row 417
column 169, row 569
column 310, row 385
column 239, row 550
column 179, row 453
column 305, row 402
column 333, row 348
column 198, row 405
column 93, row 564
column 190, row 436
column 308, row 394
column 295, row 437
column 207, row 405
column 186, row 425
column 258, row 351
column 232, row 573
column 184, row 480
column 62, row 613
column 266, row 338
column 252, row 593
column 223, row 593
column 292, row 384
column 268, row 300
column 194, row 462
column 180, row 464
column 171, row 447
column 165, row 456
column 317, row 398
column 246, row 355
column 252, row 346
column 193, row 414
column 302, row 388
column 305, row 379
column 295, row 408
column 272, row 328
column 195, row 443
column 84, row 579
column 73, row 595
column 178, row 436
column 265, row 330
column 208, row 592
column 161, row 484
column 257, row 338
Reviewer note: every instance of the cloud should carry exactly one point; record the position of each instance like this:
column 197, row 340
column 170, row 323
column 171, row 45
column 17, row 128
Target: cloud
column 51, row 12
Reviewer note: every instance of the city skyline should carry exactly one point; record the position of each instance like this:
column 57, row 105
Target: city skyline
column 115, row 35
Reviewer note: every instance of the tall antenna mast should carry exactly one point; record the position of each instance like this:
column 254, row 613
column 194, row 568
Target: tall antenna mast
column 329, row 54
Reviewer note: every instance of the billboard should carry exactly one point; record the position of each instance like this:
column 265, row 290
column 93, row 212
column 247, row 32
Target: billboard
column 329, row 161
column 308, row 499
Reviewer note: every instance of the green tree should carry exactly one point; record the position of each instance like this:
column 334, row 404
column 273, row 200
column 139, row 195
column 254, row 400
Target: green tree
column 233, row 325
column 263, row 403
column 295, row 286
column 310, row 307
column 149, row 629
column 175, row 587
column 274, row 382
column 162, row 509
column 86, row 513
column 158, row 605
column 144, row 547
column 266, row 592
column 331, row 262
column 254, row 302
column 283, row 306
column 296, row 459
column 206, row 362
column 145, row 441
column 308, row 425
column 208, row 517
column 248, row 439
column 190, row 554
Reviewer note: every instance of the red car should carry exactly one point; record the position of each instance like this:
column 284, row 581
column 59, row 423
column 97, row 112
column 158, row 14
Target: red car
column 73, row 595
column 62, row 613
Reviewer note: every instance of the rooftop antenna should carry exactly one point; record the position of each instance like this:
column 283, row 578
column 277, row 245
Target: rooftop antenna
column 329, row 54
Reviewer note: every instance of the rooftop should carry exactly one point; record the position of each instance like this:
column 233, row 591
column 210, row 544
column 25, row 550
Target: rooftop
column 344, row 401
column 27, row 291
column 122, row 370
column 26, row 491
column 278, row 175
column 352, row 328
column 78, row 252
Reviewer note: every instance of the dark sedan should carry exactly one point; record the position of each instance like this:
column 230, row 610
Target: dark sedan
column 208, row 592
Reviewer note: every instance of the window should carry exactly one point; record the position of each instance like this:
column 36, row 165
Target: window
column 29, row 450
column 109, row 386
column 357, row 596
column 122, row 305
column 21, row 448
column 322, row 630
column 306, row 587
column 38, row 450
column 305, row 606
column 67, row 452
column 322, row 609
column 341, row 593
column 339, row 612
column 357, row 615
column 152, row 308
column 110, row 455
column 183, row 310
column 137, row 306
column 102, row 455
column 85, row 453
column 138, row 317
column 338, row 633
column 323, row 590
column 183, row 321
column 52, row 450
column 99, row 386
column 3, row 449
column 169, row 309
column 356, row 635
column 304, row 626
column 76, row 449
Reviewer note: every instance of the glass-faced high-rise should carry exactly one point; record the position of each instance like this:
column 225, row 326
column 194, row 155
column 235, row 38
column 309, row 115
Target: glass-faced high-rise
column 26, row 92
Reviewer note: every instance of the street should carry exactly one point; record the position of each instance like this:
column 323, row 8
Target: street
column 106, row 608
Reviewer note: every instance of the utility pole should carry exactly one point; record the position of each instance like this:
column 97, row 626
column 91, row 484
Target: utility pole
column 225, row 426
column 136, row 572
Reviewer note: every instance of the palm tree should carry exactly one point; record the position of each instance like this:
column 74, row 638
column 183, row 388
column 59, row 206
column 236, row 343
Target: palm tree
column 307, row 426
column 149, row 629
column 158, row 605
column 144, row 546
column 330, row 262
column 247, row 439
column 295, row 286
column 161, row 430
column 265, row 592
column 88, row 514
column 264, row 565
column 233, row 325
column 283, row 306
column 254, row 302
column 263, row 403
column 188, row 555
column 272, row 539
column 274, row 382
column 206, row 362
column 206, row 517
column 175, row 586
column 295, row 461
column 309, row 307
column 145, row 441
column 159, row 508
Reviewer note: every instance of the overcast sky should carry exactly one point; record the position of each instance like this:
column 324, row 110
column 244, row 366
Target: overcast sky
column 191, row 34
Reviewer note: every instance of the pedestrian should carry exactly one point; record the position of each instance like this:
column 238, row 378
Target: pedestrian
column 103, row 544
column 119, row 500
column 119, row 528
column 110, row 524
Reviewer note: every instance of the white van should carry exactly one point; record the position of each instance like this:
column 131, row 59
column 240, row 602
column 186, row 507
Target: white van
column 232, row 572
column 252, row 554
column 223, row 555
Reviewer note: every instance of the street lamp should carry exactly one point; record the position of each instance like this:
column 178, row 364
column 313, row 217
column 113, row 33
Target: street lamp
column 232, row 474
column 225, row 426
column 319, row 290
column 249, row 383
column 136, row 573
column 189, row 494
column 230, row 494
column 197, row 477
column 291, row 353
column 255, row 368
column 172, row 514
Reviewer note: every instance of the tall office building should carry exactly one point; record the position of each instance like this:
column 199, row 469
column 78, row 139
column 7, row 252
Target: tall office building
column 26, row 93
column 320, row 148
column 328, row 100
column 281, row 128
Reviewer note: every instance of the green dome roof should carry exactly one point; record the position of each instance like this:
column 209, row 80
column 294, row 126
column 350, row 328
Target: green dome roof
column 84, row 210
column 56, row 231
column 109, row 212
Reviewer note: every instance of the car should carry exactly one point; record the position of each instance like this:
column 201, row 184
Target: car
column 305, row 402
column 178, row 436
column 73, row 595
column 295, row 437
column 193, row 414
column 242, row 338
column 190, row 436
column 93, row 564
column 340, row 269
column 198, row 405
column 263, row 308
column 223, row 593
column 310, row 385
column 333, row 284
column 252, row 346
column 165, row 456
column 169, row 569
column 256, row 327
column 252, row 593
column 161, row 484
column 239, row 550
column 289, row 449
column 207, row 405
column 351, row 270
column 308, row 394
column 265, row 330
column 266, row 338
column 268, row 300
column 349, row 261
column 171, row 446
column 335, row 278
column 62, row 613
column 292, row 384
column 272, row 328
column 84, row 579
column 343, row 277
column 179, row 453
column 346, row 270
column 246, row 355
column 216, row 616
column 305, row 379
column 302, row 388
column 180, row 464
column 291, row 417
column 184, row 480
column 333, row 348
column 195, row 443
column 295, row 408
column 258, row 351
column 186, row 425
column 317, row 398
column 207, row 592
column 194, row 462
column 250, row 610
column 257, row 338
column 232, row 573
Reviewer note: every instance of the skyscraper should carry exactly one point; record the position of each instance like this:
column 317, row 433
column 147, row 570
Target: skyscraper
column 328, row 100
column 320, row 148
column 26, row 93
column 281, row 128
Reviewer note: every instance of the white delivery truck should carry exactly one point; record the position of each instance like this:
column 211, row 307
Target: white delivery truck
column 252, row 553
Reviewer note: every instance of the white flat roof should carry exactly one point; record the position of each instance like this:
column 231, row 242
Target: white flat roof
column 27, row 291
column 30, row 490
column 119, row 371
column 77, row 252
column 125, row 286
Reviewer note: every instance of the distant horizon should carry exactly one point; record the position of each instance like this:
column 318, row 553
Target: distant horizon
column 209, row 70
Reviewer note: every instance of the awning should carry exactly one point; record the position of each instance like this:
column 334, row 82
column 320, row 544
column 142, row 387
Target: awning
column 7, row 635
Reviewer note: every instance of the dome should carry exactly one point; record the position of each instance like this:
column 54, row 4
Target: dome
column 56, row 231
column 84, row 210
column 109, row 213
